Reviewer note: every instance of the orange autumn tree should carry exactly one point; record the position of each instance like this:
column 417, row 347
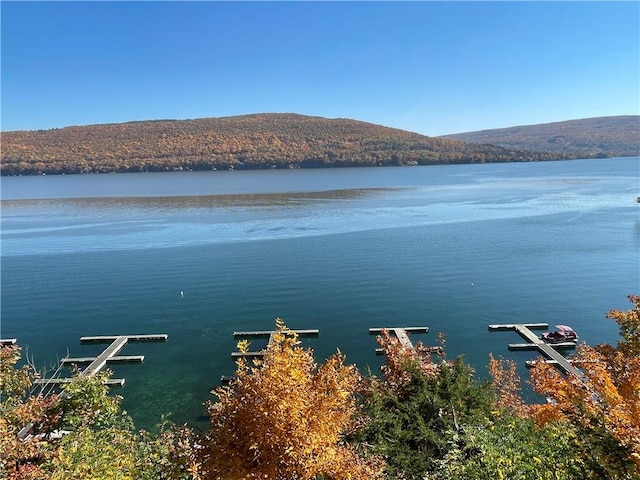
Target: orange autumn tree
column 400, row 359
column 506, row 386
column 20, row 405
column 283, row 417
column 605, row 408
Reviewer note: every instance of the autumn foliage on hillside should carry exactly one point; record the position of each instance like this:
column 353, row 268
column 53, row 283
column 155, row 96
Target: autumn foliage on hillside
column 240, row 142
column 616, row 136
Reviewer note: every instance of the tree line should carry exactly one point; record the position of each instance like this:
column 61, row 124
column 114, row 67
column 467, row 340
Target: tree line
column 241, row 142
column 616, row 136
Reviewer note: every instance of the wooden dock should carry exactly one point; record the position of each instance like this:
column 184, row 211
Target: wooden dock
column 112, row 382
column 108, row 355
column 402, row 334
column 270, row 334
column 225, row 379
column 115, row 359
column 535, row 343
column 130, row 338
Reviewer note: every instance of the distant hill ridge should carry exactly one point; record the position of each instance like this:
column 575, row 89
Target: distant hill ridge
column 600, row 136
column 266, row 140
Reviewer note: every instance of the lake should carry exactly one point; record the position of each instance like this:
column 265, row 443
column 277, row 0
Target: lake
column 454, row 248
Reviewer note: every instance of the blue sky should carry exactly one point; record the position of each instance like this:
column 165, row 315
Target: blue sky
column 428, row 67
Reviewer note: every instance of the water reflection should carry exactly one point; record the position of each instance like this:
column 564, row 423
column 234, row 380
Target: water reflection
column 192, row 202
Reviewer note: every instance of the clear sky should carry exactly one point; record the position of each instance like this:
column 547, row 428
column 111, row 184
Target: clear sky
column 428, row 67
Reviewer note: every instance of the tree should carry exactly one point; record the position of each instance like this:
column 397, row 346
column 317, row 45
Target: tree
column 420, row 408
column 507, row 386
column 20, row 406
column 81, row 434
column 117, row 452
column 511, row 448
column 284, row 418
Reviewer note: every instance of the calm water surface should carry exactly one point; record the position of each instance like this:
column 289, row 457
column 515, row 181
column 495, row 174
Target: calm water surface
column 451, row 247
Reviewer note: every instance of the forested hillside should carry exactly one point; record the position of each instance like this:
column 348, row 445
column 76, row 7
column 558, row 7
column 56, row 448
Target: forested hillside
column 590, row 137
column 240, row 142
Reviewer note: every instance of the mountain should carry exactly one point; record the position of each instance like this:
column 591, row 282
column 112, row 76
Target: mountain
column 590, row 137
column 240, row 142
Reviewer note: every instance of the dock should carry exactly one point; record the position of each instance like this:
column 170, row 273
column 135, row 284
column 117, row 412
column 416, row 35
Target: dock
column 535, row 343
column 271, row 335
column 402, row 334
column 8, row 341
column 112, row 382
column 115, row 359
column 130, row 338
column 108, row 355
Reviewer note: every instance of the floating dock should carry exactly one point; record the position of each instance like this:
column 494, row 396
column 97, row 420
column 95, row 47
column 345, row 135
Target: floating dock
column 535, row 343
column 112, row 382
column 264, row 334
column 115, row 359
column 130, row 338
column 108, row 355
column 402, row 334
column 270, row 334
